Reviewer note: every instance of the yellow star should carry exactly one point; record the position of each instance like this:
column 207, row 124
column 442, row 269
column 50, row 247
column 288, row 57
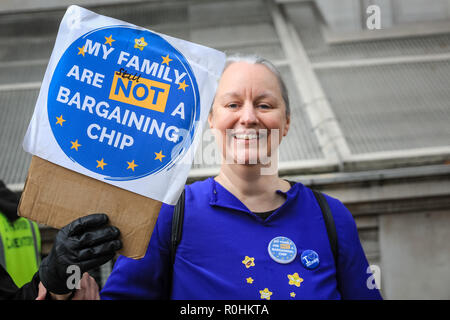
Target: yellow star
column 75, row 145
column 140, row 43
column 60, row 120
column 265, row 294
column 109, row 40
column 248, row 262
column 131, row 165
column 182, row 85
column 294, row 279
column 159, row 156
column 249, row 280
column 166, row 59
column 81, row 51
column 101, row 164
column 292, row 294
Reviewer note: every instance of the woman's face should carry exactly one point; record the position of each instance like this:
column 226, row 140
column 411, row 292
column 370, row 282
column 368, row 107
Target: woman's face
column 248, row 114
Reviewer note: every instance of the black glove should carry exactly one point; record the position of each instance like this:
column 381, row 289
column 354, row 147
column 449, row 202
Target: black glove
column 86, row 242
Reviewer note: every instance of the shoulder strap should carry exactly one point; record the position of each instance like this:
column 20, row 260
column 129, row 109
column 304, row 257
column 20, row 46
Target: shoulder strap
column 329, row 222
column 177, row 226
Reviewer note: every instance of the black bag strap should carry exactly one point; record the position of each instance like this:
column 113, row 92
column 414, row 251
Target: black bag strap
column 329, row 223
column 178, row 217
column 177, row 226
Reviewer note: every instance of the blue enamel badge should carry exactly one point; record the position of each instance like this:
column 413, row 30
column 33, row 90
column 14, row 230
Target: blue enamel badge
column 310, row 259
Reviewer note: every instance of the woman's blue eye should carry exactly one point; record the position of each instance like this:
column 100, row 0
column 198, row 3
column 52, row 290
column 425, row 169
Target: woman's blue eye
column 264, row 106
column 233, row 105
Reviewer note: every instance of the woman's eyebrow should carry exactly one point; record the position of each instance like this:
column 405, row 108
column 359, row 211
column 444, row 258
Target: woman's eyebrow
column 265, row 95
column 230, row 95
column 235, row 95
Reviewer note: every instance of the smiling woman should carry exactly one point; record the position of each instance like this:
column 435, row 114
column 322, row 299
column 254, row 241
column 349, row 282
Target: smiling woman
column 249, row 117
column 254, row 143
column 247, row 233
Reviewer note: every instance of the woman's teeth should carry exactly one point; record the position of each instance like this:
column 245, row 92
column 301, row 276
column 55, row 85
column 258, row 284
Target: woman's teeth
column 246, row 136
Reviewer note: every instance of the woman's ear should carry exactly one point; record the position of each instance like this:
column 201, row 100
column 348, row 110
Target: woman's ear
column 210, row 115
column 286, row 127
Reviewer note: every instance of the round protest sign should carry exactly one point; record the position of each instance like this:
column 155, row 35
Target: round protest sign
column 123, row 103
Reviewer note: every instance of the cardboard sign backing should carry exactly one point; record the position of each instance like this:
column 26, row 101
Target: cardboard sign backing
column 55, row 196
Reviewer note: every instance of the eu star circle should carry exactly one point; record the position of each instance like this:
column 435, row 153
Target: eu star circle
column 123, row 103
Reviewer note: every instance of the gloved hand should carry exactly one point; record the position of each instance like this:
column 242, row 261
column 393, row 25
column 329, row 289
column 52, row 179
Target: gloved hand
column 86, row 242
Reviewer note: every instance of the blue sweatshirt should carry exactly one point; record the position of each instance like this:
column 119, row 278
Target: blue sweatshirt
column 224, row 252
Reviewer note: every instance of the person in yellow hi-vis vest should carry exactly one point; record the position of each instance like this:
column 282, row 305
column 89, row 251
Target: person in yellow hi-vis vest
column 20, row 240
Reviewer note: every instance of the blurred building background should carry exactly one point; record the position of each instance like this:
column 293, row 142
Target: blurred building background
column 370, row 108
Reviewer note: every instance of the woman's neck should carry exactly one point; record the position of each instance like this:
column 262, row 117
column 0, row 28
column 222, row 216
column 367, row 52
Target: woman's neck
column 255, row 190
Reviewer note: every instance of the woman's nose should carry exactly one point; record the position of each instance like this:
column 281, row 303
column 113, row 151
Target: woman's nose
column 248, row 115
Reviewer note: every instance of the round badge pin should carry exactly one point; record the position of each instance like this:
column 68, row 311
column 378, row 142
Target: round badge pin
column 282, row 250
column 310, row 259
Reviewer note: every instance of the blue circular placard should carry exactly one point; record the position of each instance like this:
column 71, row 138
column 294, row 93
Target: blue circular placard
column 123, row 103
column 282, row 250
column 310, row 259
